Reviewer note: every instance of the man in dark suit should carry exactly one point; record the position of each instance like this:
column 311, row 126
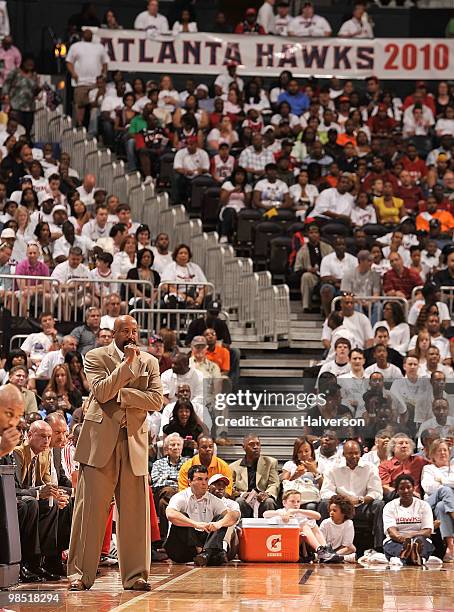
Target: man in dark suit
column 34, row 480
column 59, row 428
column 11, row 411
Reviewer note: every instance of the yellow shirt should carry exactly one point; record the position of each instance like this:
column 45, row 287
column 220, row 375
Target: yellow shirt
column 388, row 214
column 217, row 466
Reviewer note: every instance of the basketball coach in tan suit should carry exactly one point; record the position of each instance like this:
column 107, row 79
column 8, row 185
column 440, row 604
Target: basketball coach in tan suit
column 113, row 455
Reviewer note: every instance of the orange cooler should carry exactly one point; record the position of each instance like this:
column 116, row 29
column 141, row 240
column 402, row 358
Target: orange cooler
column 262, row 542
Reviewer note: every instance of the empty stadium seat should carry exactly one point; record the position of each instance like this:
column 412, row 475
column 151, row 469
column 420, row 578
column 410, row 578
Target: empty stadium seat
column 210, row 207
column 247, row 219
column 198, row 187
column 375, row 230
column 335, row 229
column 280, row 250
column 264, row 232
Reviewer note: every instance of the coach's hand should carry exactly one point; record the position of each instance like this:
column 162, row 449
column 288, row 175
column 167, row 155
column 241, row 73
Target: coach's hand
column 131, row 352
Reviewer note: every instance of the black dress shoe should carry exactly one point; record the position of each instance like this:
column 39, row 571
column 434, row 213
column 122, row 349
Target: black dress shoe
column 201, row 560
column 56, row 568
column 217, row 558
column 26, row 575
column 46, row 575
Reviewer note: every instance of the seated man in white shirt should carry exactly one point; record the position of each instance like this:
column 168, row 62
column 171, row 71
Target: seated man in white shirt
column 271, row 192
column 309, row 24
column 73, row 294
column 43, row 341
column 440, row 421
column 341, row 363
column 69, row 239
column 356, row 322
column 53, row 358
column 389, row 370
column 87, row 190
column 358, row 26
column 332, row 270
column 181, row 373
column 198, row 523
column 99, row 227
column 151, row 20
column 217, row 485
column 113, row 311
column 329, row 453
column 188, row 164
column 361, row 484
column 335, row 203
column 434, row 364
column 162, row 256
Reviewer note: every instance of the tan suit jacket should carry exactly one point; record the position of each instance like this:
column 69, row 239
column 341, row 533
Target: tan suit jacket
column 303, row 259
column 267, row 477
column 23, row 459
column 118, row 389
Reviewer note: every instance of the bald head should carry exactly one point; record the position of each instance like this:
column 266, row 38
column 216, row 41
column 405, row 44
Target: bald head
column 89, row 182
column 352, row 453
column 39, row 436
column 125, row 331
column 59, row 428
column 11, row 407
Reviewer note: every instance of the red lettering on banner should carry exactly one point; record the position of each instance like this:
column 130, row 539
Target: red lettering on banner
column 142, row 55
column 341, row 55
column 287, row 56
column 191, row 48
column 125, row 42
column 108, row 43
column 393, row 53
column 315, row 54
column 232, row 53
column 365, row 58
column 167, row 52
column 213, row 47
column 264, row 51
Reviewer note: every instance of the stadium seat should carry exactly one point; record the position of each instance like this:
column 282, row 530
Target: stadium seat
column 373, row 230
column 198, row 187
column 165, row 169
column 280, row 250
column 264, row 232
column 285, row 218
column 210, row 207
column 247, row 219
column 334, row 229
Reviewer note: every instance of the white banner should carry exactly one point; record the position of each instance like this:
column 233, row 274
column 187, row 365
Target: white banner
column 205, row 53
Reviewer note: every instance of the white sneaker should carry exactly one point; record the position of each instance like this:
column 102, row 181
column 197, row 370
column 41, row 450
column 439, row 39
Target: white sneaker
column 396, row 562
column 351, row 558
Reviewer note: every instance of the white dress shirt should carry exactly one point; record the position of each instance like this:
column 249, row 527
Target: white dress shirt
column 203, row 509
column 170, row 382
column 363, row 481
column 47, row 365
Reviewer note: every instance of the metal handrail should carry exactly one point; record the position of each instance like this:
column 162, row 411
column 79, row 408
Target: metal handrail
column 25, row 302
column 373, row 299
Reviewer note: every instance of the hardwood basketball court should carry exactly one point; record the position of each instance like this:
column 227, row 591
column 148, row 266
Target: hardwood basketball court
column 261, row 587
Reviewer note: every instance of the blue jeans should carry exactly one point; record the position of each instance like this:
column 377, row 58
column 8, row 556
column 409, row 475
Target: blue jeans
column 442, row 502
column 393, row 549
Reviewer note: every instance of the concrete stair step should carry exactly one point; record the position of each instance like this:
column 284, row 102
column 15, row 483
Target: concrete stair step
column 270, row 373
column 278, row 362
column 306, row 344
column 305, row 334
column 264, row 346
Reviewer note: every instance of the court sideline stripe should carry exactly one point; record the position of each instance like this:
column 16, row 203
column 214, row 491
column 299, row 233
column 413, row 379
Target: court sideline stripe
column 305, row 577
column 135, row 600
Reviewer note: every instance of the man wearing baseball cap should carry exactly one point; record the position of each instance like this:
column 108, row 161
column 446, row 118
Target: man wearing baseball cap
column 188, row 164
column 249, row 25
column 156, row 348
column 217, row 485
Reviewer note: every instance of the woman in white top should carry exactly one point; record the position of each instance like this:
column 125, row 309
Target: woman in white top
column 303, row 195
column 235, row 195
column 232, row 105
column 399, row 330
column 437, row 480
column 126, row 258
column 223, row 133
column 445, row 125
column 408, row 524
column 184, row 273
column 25, row 232
column 185, row 25
column 302, row 472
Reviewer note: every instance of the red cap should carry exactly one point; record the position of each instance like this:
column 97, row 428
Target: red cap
column 344, row 99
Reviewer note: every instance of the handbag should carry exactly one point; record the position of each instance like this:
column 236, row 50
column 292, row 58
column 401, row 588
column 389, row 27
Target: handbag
column 305, row 486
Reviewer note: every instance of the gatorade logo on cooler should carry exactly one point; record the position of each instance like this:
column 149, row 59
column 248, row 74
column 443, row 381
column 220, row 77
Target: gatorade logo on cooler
column 274, row 543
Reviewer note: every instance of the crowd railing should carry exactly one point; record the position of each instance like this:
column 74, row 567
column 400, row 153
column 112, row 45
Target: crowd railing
column 28, row 296
column 368, row 302
column 78, row 294
column 447, row 295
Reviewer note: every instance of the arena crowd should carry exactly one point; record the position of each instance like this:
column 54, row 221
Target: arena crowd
column 357, row 180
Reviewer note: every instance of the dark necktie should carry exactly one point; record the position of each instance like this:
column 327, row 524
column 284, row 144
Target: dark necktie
column 32, row 472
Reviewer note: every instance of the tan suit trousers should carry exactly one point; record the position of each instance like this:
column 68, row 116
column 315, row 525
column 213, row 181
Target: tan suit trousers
column 95, row 490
